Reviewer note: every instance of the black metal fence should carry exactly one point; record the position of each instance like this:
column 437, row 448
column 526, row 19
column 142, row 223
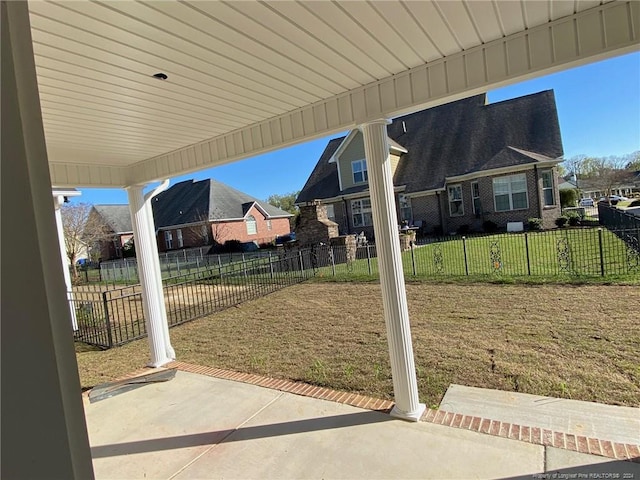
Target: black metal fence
column 125, row 270
column 560, row 252
column 110, row 317
column 114, row 316
column 617, row 219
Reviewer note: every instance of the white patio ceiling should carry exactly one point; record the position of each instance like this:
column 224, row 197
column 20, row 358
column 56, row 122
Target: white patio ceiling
column 248, row 77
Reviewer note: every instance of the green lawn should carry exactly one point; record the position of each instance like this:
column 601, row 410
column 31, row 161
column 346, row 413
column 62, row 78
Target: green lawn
column 562, row 252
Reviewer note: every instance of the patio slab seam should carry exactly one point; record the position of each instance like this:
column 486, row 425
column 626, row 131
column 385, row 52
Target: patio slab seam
column 524, row 433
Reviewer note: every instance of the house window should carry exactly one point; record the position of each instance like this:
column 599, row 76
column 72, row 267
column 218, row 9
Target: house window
column 180, row 240
column 168, row 239
column 359, row 169
column 361, row 213
column 268, row 224
column 252, row 227
column 456, row 208
column 405, row 208
column 510, row 193
column 547, row 188
column 331, row 213
column 475, row 195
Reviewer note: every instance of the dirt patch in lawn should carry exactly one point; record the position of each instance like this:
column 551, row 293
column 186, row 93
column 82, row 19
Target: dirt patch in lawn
column 575, row 342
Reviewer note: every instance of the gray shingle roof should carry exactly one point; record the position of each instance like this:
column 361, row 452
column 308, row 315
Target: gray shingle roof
column 117, row 217
column 192, row 202
column 458, row 138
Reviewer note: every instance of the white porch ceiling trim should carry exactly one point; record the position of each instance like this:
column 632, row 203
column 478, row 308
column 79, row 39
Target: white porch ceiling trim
column 589, row 35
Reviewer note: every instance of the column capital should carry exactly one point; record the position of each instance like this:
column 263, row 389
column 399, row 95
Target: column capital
column 377, row 121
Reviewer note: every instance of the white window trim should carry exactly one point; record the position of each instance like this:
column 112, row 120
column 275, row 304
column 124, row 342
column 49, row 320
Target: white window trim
column 362, row 212
column 364, row 171
column 180, row 239
column 511, row 192
column 551, row 188
column 474, row 197
column 461, row 200
column 404, row 202
column 251, row 220
column 168, row 239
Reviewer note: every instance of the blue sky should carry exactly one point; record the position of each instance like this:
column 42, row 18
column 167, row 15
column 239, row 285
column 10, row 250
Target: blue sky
column 598, row 107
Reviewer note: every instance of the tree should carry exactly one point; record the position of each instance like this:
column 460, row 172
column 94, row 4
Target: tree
column 601, row 173
column 206, row 232
column 83, row 229
column 286, row 202
column 633, row 161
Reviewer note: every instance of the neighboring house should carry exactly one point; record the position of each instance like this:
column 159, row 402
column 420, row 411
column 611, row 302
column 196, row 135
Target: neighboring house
column 117, row 222
column 454, row 166
column 626, row 185
column 193, row 214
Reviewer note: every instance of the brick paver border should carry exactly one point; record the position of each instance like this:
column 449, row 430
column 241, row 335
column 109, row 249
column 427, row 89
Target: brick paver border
column 523, row 433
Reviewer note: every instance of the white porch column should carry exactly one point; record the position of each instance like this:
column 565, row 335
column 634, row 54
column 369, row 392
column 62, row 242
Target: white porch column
column 58, row 200
column 144, row 235
column 394, row 296
column 44, row 434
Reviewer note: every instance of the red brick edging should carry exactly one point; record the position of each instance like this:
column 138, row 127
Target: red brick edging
column 524, row 433
column 535, row 435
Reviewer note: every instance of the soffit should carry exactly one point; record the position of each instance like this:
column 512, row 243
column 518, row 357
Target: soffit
column 247, row 77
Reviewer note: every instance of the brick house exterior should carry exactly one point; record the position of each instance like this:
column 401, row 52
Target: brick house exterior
column 455, row 167
column 194, row 214
column 189, row 236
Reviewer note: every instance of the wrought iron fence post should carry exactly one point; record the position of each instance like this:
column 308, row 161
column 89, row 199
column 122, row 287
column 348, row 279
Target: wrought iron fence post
column 368, row 259
column 301, row 262
column 601, row 251
column 270, row 266
column 105, row 304
column 413, row 259
column 333, row 261
column 526, row 248
column 464, row 251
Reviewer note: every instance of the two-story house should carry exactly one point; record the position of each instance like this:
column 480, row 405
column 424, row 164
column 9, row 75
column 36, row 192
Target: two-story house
column 455, row 167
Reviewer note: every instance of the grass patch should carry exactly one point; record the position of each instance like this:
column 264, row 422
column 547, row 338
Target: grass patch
column 564, row 253
column 566, row 341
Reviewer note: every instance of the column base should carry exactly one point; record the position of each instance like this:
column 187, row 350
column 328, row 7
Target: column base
column 409, row 416
column 160, row 363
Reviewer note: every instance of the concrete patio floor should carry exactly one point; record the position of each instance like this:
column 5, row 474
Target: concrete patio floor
column 196, row 427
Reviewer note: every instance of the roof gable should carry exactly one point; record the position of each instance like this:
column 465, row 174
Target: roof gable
column 461, row 137
column 206, row 200
column 117, row 217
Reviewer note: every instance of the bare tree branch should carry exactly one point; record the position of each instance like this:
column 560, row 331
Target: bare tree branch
column 83, row 229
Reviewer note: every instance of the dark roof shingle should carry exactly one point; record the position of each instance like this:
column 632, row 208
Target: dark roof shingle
column 458, row 138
